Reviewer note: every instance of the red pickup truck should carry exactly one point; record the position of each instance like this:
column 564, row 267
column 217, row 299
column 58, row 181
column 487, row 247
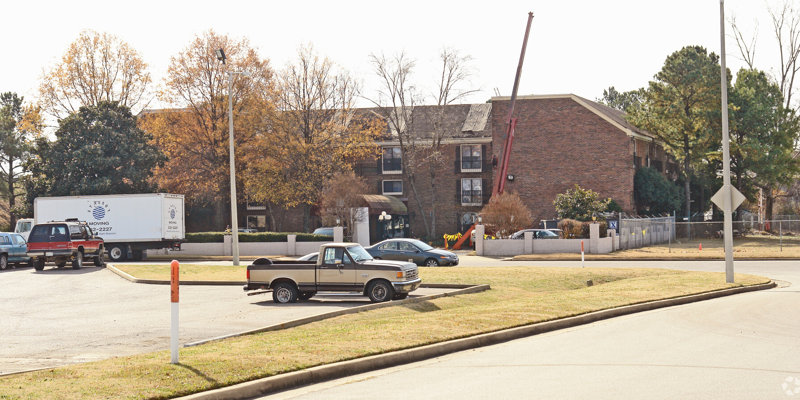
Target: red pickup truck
column 62, row 241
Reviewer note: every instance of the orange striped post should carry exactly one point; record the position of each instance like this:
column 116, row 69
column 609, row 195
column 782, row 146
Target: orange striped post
column 174, row 295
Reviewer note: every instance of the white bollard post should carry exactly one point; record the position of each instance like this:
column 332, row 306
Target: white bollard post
column 174, row 285
column 581, row 253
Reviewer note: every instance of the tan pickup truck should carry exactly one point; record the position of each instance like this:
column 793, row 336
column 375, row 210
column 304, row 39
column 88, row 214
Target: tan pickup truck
column 341, row 267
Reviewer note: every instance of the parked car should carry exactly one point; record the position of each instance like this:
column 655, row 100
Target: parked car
column 537, row 234
column 324, row 231
column 414, row 250
column 247, row 230
column 13, row 250
column 64, row 241
column 312, row 257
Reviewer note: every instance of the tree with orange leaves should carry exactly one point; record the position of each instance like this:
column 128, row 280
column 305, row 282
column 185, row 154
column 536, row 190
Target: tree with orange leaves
column 314, row 134
column 96, row 67
column 194, row 134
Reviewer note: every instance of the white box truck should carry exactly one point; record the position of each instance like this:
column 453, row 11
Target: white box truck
column 128, row 223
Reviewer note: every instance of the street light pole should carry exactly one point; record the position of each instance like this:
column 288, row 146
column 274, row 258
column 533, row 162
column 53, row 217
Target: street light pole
column 234, row 213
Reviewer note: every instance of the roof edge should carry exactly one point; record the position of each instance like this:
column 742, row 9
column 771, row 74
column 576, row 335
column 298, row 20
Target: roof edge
column 585, row 105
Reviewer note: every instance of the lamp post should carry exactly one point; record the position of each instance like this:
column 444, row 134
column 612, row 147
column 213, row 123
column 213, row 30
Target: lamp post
column 385, row 219
column 234, row 213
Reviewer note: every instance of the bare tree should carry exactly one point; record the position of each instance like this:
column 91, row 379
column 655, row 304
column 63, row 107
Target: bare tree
column 314, row 134
column 747, row 50
column 785, row 20
column 786, row 27
column 455, row 74
column 342, row 199
column 396, row 101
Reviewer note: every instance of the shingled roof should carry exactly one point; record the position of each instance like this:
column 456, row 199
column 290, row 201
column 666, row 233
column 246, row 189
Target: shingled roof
column 459, row 120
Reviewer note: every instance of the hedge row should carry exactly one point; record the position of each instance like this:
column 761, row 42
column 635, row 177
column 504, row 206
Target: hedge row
column 217, row 237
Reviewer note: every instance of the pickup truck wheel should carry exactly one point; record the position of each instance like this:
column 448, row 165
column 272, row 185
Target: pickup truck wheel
column 117, row 253
column 431, row 263
column 284, row 293
column 77, row 263
column 380, row 291
column 38, row 264
column 3, row 261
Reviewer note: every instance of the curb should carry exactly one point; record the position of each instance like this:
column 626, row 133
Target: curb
column 130, row 278
column 269, row 385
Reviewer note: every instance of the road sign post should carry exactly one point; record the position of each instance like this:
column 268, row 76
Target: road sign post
column 727, row 198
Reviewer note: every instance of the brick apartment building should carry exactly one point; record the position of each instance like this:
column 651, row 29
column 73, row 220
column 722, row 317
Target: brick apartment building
column 560, row 141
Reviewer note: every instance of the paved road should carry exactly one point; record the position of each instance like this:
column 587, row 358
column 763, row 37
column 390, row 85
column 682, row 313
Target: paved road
column 740, row 347
column 63, row 316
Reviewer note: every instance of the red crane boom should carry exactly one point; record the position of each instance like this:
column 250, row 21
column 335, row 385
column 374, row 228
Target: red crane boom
column 511, row 124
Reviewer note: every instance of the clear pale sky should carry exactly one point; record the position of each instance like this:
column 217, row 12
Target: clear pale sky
column 579, row 47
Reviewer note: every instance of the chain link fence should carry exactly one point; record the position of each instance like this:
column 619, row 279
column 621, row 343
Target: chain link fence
column 640, row 232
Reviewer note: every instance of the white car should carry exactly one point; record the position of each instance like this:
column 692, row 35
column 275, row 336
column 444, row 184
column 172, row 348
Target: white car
column 309, row 257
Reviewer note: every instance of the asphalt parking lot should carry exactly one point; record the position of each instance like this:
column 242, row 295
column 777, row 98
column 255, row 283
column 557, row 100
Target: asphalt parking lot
column 63, row 316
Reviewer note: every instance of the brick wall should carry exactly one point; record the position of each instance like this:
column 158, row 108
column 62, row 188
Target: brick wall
column 446, row 192
column 559, row 143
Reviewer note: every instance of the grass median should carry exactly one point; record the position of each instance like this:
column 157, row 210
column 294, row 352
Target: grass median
column 519, row 296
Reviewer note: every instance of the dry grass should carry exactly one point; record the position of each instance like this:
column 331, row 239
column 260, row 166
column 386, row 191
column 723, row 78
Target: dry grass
column 749, row 247
column 519, row 296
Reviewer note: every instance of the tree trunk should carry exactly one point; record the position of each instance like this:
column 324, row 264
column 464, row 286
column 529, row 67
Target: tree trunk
column 306, row 217
column 12, row 215
column 272, row 224
column 433, row 205
column 686, row 186
column 219, row 215
column 419, row 207
column 768, row 203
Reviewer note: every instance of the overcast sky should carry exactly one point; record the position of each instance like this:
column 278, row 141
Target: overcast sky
column 579, row 47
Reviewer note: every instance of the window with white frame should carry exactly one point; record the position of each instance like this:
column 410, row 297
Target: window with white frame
column 471, row 192
column 393, row 187
column 392, row 160
column 471, row 158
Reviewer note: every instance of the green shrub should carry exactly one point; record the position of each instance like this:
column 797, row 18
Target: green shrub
column 204, row 237
column 579, row 203
column 218, row 237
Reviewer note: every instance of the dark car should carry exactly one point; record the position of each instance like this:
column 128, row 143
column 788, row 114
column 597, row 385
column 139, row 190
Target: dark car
column 412, row 250
column 537, row 234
